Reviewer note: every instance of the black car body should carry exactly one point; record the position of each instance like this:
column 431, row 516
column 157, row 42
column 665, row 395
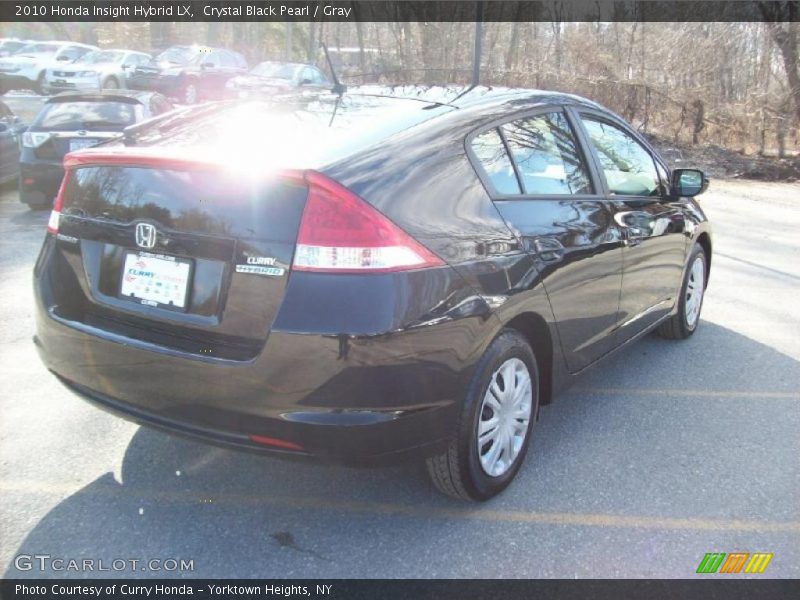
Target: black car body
column 189, row 74
column 11, row 128
column 71, row 121
column 270, row 78
column 346, row 284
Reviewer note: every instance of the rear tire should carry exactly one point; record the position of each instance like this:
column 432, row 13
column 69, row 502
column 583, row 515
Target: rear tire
column 39, row 88
column 685, row 322
column 190, row 94
column 462, row 471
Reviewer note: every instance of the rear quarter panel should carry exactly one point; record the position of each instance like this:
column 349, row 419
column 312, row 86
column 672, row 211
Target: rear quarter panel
column 423, row 181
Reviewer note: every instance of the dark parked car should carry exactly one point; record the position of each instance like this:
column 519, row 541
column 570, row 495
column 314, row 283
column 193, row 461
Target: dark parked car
column 11, row 128
column 189, row 74
column 69, row 122
column 399, row 278
column 269, row 78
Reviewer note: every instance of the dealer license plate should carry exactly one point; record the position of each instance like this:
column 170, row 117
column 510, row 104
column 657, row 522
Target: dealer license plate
column 156, row 279
column 81, row 143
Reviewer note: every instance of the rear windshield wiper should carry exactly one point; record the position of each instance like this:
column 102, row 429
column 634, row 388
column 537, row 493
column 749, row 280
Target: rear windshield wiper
column 171, row 119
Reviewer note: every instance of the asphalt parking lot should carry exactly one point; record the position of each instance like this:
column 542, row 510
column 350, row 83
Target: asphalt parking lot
column 666, row 452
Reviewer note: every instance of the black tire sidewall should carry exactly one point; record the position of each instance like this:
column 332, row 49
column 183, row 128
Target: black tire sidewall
column 185, row 93
column 509, row 344
column 684, row 324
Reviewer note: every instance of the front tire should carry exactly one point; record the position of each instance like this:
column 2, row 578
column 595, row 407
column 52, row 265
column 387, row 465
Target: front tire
column 493, row 430
column 111, row 84
column 39, row 87
column 684, row 323
column 190, row 94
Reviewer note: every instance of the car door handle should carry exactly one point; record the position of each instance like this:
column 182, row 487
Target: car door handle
column 633, row 236
column 548, row 249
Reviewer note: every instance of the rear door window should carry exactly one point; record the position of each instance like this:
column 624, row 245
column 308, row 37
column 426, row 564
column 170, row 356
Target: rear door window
column 490, row 151
column 547, row 156
column 628, row 166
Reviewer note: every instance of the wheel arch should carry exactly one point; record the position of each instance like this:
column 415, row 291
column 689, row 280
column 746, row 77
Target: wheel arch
column 705, row 242
column 537, row 333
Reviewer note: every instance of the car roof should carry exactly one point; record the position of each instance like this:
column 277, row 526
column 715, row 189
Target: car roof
column 132, row 96
column 284, row 62
column 336, row 127
column 120, row 50
column 60, row 43
column 472, row 96
column 196, row 46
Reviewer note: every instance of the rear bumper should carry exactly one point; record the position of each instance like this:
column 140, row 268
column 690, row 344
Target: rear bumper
column 72, row 85
column 355, row 400
column 353, row 446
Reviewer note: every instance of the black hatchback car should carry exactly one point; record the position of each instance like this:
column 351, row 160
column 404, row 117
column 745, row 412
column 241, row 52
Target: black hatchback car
column 189, row 74
column 366, row 278
column 69, row 122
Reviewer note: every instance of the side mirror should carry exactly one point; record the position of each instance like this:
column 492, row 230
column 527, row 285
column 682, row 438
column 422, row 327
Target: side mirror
column 305, row 81
column 64, row 59
column 207, row 65
column 688, row 182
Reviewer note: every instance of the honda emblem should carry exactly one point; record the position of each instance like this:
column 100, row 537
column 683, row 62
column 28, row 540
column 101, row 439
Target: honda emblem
column 145, row 235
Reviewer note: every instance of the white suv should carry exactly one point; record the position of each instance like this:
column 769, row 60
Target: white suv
column 26, row 68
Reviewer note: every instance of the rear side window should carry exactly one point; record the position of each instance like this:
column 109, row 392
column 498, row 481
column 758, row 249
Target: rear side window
column 547, row 155
column 628, row 166
column 491, row 152
column 98, row 116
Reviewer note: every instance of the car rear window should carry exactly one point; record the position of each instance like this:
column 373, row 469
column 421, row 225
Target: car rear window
column 213, row 202
column 96, row 116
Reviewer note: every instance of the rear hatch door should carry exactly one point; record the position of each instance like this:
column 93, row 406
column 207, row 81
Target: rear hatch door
column 190, row 258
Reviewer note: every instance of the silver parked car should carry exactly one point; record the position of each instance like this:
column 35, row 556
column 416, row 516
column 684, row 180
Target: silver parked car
column 25, row 69
column 98, row 70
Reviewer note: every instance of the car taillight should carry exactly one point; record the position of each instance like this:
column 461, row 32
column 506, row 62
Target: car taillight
column 340, row 232
column 55, row 214
column 34, row 139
